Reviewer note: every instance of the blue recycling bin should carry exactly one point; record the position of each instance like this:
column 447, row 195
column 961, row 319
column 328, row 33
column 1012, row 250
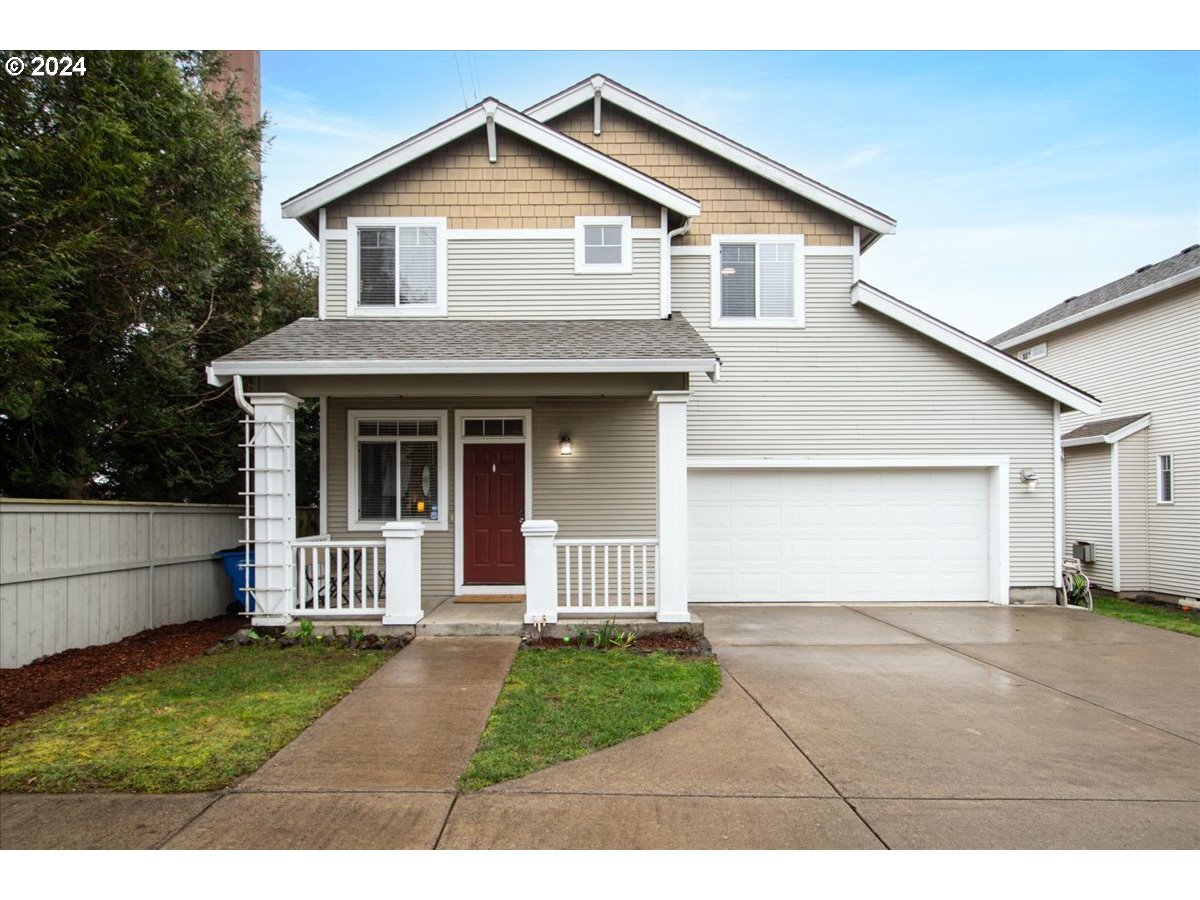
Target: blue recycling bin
column 241, row 574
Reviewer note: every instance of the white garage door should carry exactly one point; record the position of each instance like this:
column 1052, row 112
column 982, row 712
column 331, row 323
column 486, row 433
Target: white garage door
column 837, row 535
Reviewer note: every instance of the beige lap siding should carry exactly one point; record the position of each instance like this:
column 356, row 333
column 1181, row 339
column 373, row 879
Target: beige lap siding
column 854, row 383
column 335, row 279
column 527, row 187
column 1088, row 482
column 1136, row 474
column 734, row 200
column 605, row 489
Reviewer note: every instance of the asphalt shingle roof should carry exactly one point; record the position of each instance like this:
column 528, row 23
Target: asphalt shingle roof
column 1144, row 277
column 1101, row 427
column 472, row 339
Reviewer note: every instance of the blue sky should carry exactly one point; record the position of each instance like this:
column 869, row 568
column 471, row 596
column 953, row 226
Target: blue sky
column 1018, row 179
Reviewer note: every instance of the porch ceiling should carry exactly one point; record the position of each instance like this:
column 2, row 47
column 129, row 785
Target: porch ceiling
column 471, row 346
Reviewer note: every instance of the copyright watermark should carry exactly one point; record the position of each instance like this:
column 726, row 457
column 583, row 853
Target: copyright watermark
column 65, row 65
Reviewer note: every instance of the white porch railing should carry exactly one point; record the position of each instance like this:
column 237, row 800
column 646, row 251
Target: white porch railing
column 338, row 578
column 608, row 575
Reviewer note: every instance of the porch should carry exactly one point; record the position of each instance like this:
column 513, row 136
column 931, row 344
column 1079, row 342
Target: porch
column 563, row 491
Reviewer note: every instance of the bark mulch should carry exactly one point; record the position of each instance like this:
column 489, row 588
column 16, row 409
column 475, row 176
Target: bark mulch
column 73, row 673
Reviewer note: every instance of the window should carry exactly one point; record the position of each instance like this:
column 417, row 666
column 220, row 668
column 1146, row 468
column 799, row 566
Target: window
column 1037, row 351
column 756, row 282
column 398, row 266
column 1166, row 478
column 396, row 468
column 493, row 427
column 603, row 244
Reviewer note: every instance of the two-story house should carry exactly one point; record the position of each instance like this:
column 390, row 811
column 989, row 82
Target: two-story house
column 599, row 355
column 1132, row 477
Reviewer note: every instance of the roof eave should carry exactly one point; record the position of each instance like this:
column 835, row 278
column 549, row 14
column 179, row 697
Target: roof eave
column 1119, row 435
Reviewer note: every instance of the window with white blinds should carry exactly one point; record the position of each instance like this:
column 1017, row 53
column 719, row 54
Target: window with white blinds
column 397, row 267
column 396, row 463
column 756, row 282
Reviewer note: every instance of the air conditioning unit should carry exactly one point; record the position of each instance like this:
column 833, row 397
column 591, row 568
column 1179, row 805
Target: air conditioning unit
column 1084, row 551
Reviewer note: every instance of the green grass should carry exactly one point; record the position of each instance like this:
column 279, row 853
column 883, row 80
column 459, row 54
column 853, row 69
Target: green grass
column 562, row 704
column 1172, row 619
column 194, row 726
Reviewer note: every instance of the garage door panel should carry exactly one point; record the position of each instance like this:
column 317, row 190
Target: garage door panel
column 838, row 535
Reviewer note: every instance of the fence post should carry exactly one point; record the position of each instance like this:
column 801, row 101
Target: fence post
column 402, row 572
column 541, row 571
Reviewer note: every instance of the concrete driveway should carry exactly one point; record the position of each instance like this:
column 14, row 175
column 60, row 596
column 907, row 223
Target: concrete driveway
column 904, row 727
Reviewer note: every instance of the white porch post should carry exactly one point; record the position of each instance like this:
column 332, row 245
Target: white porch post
column 541, row 571
column 402, row 551
column 273, row 435
column 672, row 505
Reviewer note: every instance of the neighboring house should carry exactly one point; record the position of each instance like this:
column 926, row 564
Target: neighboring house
column 600, row 355
column 1132, row 475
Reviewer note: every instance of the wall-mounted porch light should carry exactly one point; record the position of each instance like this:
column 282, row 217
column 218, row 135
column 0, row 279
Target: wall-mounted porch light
column 1029, row 479
column 564, row 444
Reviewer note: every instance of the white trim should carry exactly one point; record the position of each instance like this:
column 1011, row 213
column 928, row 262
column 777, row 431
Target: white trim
column 323, row 474
column 921, row 322
column 323, row 236
column 998, row 492
column 625, row 266
column 338, row 234
column 467, row 121
column 352, row 416
column 1119, row 435
column 799, row 252
column 1101, row 308
column 720, row 145
column 692, row 250
column 1115, row 508
column 664, row 268
column 1059, row 514
column 228, row 368
column 1158, row 458
column 534, row 234
column 856, row 256
column 399, row 311
column 460, row 439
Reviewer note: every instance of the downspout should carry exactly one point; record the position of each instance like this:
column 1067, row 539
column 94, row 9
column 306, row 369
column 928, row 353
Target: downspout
column 240, row 396
column 682, row 229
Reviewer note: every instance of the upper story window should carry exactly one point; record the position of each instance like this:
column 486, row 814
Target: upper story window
column 1029, row 354
column 1166, row 478
column 603, row 244
column 397, row 267
column 758, row 281
column 397, row 468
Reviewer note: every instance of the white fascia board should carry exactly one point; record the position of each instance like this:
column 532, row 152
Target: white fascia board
column 223, row 370
column 1119, row 435
column 476, row 117
column 984, row 354
column 846, row 462
column 1116, row 303
column 720, row 145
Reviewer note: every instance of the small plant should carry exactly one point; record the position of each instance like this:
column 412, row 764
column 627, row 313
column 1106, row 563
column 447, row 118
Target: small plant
column 305, row 632
column 578, row 636
column 622, row 640
column 355, row 635
column 253, row 635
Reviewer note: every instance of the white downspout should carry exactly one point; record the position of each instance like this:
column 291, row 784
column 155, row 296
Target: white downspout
column 240, row 396
column 682, row 229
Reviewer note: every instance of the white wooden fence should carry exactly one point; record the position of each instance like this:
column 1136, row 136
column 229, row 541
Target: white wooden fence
column 74, row 574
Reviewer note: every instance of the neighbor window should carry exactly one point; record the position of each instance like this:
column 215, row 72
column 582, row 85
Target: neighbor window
column 1037, row 351
column 398, row 266
column 1166, row 478
column 756, row 283
column 397, row 468
column 603, row 244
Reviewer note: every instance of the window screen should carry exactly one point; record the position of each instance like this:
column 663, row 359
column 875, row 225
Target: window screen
column 377, row 481
column 418, row 265
column 776, row 281
column 602, row 245
column 737, row 280
column 377, row 266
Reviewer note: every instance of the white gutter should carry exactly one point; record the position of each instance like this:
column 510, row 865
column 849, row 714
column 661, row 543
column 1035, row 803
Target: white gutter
column 1119, row 435
column 222, row 371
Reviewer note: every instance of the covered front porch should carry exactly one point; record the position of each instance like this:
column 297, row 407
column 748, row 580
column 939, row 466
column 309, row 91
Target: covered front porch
column 560, row 487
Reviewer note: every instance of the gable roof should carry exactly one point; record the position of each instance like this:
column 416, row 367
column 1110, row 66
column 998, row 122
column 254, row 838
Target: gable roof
column 477, row 116
column 1145, row 282
column 937, row 330
column 739, row 154
column 1106, row 431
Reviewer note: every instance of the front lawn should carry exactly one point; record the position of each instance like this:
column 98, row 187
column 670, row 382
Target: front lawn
column 193, row 726
column 1170, row 618
column 561, row 704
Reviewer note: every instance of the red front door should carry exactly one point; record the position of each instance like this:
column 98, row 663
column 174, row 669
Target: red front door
column 493, row 509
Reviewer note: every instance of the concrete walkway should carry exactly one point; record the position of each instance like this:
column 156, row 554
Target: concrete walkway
column 849, row 727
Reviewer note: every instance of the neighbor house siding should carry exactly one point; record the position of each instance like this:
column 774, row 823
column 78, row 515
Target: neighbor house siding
column 1087, row 481
column 605, row 489
column 852, row 382
column 733, row 200
column 1135, row 476
column 527, row 187
column 1137, row 360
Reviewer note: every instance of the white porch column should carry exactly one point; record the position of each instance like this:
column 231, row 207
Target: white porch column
column 672, row 505
column 402, row 552
column 541, row 571
column 273, row 436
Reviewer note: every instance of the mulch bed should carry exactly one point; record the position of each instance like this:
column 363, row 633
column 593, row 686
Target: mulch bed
column 669, row 642
column 73, row 673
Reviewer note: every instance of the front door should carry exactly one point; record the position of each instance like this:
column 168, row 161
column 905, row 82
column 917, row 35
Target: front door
column 493, row 510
